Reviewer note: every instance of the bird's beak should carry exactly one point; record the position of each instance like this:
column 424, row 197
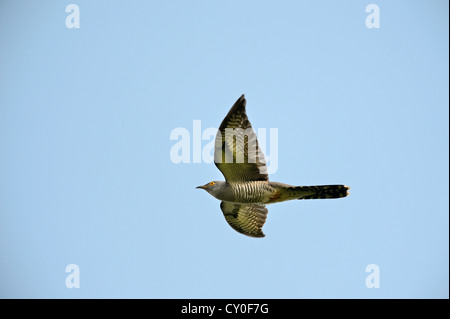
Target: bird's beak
column 202, row 187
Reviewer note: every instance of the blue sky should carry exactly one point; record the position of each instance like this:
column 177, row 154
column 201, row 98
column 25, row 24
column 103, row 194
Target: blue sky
column 86, row 176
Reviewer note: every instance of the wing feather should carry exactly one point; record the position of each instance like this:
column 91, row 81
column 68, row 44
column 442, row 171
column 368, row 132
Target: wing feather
column 237, row 154
column 247, row 219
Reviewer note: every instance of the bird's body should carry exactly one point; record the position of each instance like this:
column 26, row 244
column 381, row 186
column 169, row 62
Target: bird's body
column 265, row 192
column 251, row 192
column 247, row 188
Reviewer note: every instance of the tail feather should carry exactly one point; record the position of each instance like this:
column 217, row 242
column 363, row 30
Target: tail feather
column 317, row 192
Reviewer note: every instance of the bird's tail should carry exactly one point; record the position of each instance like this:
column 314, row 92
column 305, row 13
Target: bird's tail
column 317, row 192
column 285, row 192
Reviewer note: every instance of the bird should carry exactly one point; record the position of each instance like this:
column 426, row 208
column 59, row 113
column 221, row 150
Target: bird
column 247, row 190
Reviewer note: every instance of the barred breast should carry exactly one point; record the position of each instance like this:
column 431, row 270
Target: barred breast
column 252, row 192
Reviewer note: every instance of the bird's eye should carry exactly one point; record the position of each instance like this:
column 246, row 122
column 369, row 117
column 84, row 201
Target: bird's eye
column 212, row 183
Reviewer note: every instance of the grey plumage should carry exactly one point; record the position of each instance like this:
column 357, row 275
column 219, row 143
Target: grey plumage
column 247, row 188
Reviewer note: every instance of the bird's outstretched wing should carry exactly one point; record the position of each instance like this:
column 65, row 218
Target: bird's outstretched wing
column 248, row 219
column 237, row 154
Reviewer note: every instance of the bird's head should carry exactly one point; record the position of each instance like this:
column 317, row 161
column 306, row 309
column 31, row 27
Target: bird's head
column 211, row 186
